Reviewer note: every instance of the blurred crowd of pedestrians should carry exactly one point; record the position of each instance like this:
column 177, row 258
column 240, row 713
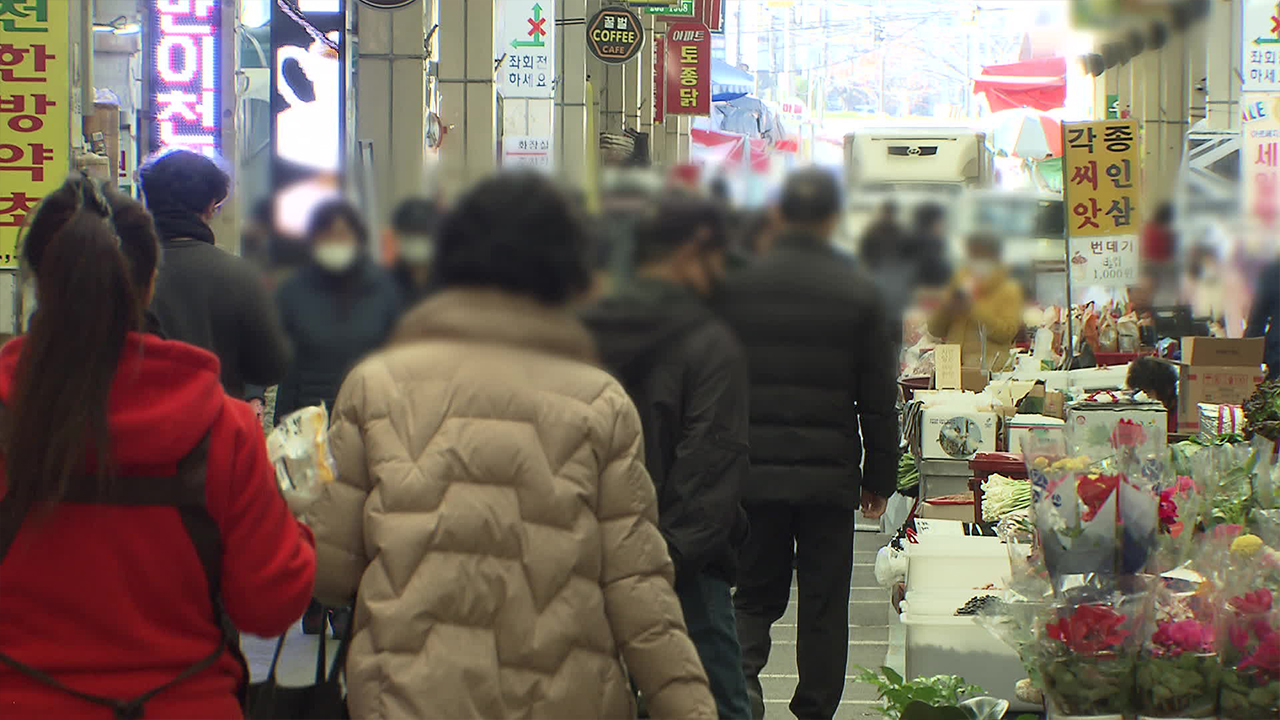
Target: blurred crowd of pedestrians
column 581, row 460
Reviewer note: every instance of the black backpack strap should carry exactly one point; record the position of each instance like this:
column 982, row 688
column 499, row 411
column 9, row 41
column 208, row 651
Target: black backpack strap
column 186, row 493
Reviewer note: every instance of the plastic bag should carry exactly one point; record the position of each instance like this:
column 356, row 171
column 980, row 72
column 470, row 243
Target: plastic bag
column 299, row 450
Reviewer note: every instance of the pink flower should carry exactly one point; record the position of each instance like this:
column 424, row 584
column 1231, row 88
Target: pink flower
column 1266, row 658
column 1128, row 433
column 1239, row 637
column 1258, row 601
column 1184, row 636
column 1168, row 509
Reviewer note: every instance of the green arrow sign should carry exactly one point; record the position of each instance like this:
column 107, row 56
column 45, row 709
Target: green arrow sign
column 537, row 30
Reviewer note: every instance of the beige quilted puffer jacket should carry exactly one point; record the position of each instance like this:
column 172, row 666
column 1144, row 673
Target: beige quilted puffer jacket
column 493, row 512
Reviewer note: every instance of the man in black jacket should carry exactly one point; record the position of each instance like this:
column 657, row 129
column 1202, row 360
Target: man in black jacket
column 822, row 392
column 204, row 295
column 688, row 377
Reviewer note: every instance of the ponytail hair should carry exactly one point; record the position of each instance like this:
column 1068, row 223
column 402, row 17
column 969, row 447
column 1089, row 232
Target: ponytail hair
column 89, row 300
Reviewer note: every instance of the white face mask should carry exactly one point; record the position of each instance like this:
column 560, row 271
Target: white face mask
column 335, row 257
column 417, row 249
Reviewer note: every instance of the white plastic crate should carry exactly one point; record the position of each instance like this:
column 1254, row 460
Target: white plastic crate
column 950, row 645
column 956, row 565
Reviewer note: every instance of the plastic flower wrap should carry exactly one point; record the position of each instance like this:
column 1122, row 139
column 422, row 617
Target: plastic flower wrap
column 1087, row 656
column 1178, row 663
column 1181, row 503
column 299, row 449
column 1014, row 622
column 1028, row 575
column 1249, row 640
column 1227, row 471
column 1075, row 512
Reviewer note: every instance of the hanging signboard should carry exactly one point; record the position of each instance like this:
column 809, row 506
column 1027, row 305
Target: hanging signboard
column 526, row 37
column 615, row 35
column 526, row 152
column 1261, row 158
column 387, row 4
column 708, row 12
column 184, row 54
column 35, row 114
column 659, row 79
column 1260, row 46
column 1100, row 188
column 688, row 69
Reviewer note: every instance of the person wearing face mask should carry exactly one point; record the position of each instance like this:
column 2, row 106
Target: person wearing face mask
column 983, row 310
column 687, row 375
column 413, row 227
column 336, row 309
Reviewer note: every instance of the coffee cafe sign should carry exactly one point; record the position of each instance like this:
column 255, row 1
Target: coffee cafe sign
column 615, row 35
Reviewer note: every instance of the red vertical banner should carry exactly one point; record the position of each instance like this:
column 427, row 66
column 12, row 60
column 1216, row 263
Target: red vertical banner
column 659, row 79
column 711, row 13
column 688, row 69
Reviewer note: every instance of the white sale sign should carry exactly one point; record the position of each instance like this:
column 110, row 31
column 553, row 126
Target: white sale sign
column 526, row 44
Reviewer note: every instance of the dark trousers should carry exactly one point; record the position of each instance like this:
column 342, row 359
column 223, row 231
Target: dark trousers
column 708, row 611
column 817, row 541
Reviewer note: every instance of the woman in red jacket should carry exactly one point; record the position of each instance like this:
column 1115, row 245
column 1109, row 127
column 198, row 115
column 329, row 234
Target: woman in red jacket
column 138, row 510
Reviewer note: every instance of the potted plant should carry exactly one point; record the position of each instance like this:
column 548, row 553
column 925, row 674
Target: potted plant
column 1178, row 667
column 933, row 698
column 1250, row 652
column 1087, row 664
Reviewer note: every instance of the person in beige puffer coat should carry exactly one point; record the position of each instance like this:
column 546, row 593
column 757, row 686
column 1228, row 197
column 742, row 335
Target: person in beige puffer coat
column 492, row 515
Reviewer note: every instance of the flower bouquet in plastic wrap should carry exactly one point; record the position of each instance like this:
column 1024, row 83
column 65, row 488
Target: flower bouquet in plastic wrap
column 1181, row 503
column 1075, row 511
column 299, row 449
column 1249, row 641
column 1178, row 662
column 1087, row 654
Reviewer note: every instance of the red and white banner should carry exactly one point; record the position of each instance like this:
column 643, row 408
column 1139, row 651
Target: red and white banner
column 688, row 69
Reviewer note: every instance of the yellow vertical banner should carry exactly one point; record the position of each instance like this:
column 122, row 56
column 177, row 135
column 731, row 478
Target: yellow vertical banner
column 35, row 112
column 1101, row 188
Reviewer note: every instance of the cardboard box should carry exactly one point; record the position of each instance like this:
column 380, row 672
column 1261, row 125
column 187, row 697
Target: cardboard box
column 963, row 513
column 1217, row 385
column 974, row 380
column 947, row 433
column 1089, row 425
column 106, row 120
column 1023, row 426
column 1222, row 352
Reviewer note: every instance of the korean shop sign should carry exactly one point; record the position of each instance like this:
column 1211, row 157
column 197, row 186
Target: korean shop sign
column 1260, row 158
column 659, row 79
column 526, row 36
column 678, row 9
column 688, row 66
column 1101, row 189
column 615, row 35
column 184, row 54
column 1260, row 46
column 35, row 113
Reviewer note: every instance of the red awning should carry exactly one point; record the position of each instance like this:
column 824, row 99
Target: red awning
column 1038, row 84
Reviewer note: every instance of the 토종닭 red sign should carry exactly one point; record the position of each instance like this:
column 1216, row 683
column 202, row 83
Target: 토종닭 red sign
column 688, row 66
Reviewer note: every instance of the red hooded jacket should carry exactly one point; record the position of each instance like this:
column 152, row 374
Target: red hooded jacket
column 112, row 600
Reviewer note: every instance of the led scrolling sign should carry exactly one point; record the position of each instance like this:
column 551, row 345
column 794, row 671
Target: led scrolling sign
column 185, row 53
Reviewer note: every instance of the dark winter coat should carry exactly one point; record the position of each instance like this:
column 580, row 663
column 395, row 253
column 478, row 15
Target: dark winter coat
column 1264, row 316
column 822, row 376
column 334, row 321
column 687, row 375
column 212, row 299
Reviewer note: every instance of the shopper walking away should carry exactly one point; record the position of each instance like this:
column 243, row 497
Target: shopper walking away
column 413, row 227
column 492, row 506
column 204, row 295
column 688, row 377
column 137, row 504
column 822, row 392
column 881, row 242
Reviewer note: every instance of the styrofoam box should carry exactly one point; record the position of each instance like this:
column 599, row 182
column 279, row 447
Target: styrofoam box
column 941, row 645
column 949, row 433
column 955, row 565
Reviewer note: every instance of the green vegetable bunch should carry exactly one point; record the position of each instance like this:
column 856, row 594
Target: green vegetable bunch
column 1262, row 411
column 896, row 694
column 908, row 473
column 1002, row 496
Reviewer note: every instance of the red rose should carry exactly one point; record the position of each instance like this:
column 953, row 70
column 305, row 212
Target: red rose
column 1128, row 433
column 1093, row 491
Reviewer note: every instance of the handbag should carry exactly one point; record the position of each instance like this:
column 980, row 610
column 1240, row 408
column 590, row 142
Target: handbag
column 323, row 700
